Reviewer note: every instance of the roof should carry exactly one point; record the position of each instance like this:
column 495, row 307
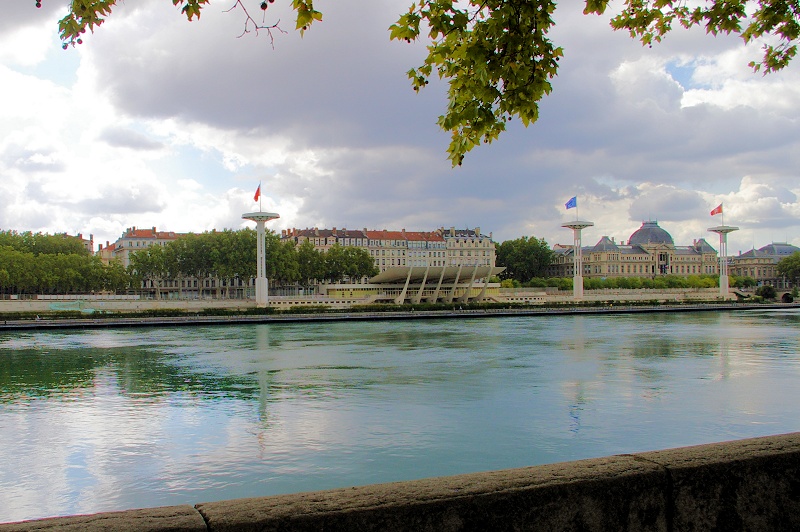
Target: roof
column 605, row 244
column 386, row 235
column 779, row 249
column 150, row 232
column 704, row 247
column 447, row 273
column 753, row 254
column 650, row 233
column 327, row 233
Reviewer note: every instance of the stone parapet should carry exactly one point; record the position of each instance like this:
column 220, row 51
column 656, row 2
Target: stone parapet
column 751, row 485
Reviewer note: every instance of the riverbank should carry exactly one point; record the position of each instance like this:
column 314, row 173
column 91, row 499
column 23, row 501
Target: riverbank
column 411, row 314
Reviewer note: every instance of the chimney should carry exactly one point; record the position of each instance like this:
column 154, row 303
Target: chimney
column 452, row 231
column 612, row 240
column 477, row 231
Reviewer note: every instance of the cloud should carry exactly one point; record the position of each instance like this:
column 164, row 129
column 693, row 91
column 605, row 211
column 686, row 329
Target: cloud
column 157, row 121
column 120, row 137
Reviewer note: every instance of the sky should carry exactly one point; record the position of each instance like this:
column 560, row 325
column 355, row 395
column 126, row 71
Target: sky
column 156, row 121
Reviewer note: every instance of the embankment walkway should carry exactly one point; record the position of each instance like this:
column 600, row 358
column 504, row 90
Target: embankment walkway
column 456, row 312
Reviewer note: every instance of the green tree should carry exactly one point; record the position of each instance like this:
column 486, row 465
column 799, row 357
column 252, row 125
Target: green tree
column 149, row 265
column 789, row 267
column 114, row 277
column 282, row 264
column 359, row 263
column 310, row 263
column 766, row 291
column 497, row 56
column 524, row 258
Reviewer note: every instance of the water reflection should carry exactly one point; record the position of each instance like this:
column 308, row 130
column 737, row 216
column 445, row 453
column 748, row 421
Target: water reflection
column 104, row 420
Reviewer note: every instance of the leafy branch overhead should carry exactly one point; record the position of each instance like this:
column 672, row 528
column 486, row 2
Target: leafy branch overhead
column 496, row 54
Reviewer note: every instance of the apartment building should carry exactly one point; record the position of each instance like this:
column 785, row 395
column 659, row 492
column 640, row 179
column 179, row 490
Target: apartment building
column 391, row 249
column 135, row 239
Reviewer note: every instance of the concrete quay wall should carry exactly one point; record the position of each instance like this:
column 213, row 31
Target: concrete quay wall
column 751, row 485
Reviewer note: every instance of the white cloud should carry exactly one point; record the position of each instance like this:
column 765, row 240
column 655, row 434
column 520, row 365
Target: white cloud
column 156, row 121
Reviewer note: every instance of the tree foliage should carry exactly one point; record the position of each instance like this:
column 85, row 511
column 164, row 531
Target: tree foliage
column 789, row 267
column 496, row 55
column 524, row 258
column 48, row 264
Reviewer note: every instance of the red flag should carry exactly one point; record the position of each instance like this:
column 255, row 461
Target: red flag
column 258, row 193
column 717, row 210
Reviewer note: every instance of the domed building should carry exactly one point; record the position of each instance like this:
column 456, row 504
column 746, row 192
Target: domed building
column 649, row 252
column 650, row 233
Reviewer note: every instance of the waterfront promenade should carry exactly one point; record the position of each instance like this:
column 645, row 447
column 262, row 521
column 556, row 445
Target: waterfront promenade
column 190, row 319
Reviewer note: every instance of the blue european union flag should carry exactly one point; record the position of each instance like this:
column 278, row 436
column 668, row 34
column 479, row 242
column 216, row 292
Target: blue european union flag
column 573, row 202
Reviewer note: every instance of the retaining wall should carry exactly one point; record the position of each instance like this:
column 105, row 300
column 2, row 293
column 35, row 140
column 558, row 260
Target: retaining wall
column 751, row 485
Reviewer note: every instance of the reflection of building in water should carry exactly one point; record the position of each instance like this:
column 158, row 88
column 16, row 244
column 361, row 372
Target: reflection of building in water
column 761, row 264
column 649, row 252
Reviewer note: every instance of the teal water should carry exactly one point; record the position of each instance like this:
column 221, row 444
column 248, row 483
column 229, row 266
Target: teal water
column 99, row 420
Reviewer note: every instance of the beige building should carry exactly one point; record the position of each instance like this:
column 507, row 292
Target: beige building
column 468, row 247
column 135, row 239
column 649, row 252
column 762, row 264
column 392, row 249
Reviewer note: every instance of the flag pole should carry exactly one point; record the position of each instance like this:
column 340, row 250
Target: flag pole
column 259, row 197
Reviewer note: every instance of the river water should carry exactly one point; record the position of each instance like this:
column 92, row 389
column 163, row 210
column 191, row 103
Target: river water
column 99, row 420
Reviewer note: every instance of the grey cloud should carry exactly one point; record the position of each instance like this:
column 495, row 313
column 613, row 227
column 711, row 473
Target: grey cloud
column 666, row 203
column 340, row 84
column 123, row 200
column 28, row 160
column 120, row 137
column 19, row 14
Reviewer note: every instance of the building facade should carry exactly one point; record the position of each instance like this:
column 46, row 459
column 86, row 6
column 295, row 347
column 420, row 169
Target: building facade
column 391, row 249
column 135, row 239
column 649, row 252
column 762, row 264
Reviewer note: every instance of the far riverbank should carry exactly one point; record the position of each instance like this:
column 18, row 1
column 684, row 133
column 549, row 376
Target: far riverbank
column 411, row 314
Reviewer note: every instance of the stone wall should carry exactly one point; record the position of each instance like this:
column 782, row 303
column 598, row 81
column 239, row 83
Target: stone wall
column 751, row 485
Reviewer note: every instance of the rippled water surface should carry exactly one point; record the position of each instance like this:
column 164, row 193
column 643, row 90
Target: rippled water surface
column 101, row 420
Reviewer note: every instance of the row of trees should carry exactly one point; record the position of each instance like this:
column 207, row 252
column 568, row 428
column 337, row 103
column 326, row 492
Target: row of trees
column 49, row 264
column 232, row 255
column 42, row 243
column 36, row 263
column 659, row 283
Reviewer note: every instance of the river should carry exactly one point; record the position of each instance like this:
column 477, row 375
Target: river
column 112, row 419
